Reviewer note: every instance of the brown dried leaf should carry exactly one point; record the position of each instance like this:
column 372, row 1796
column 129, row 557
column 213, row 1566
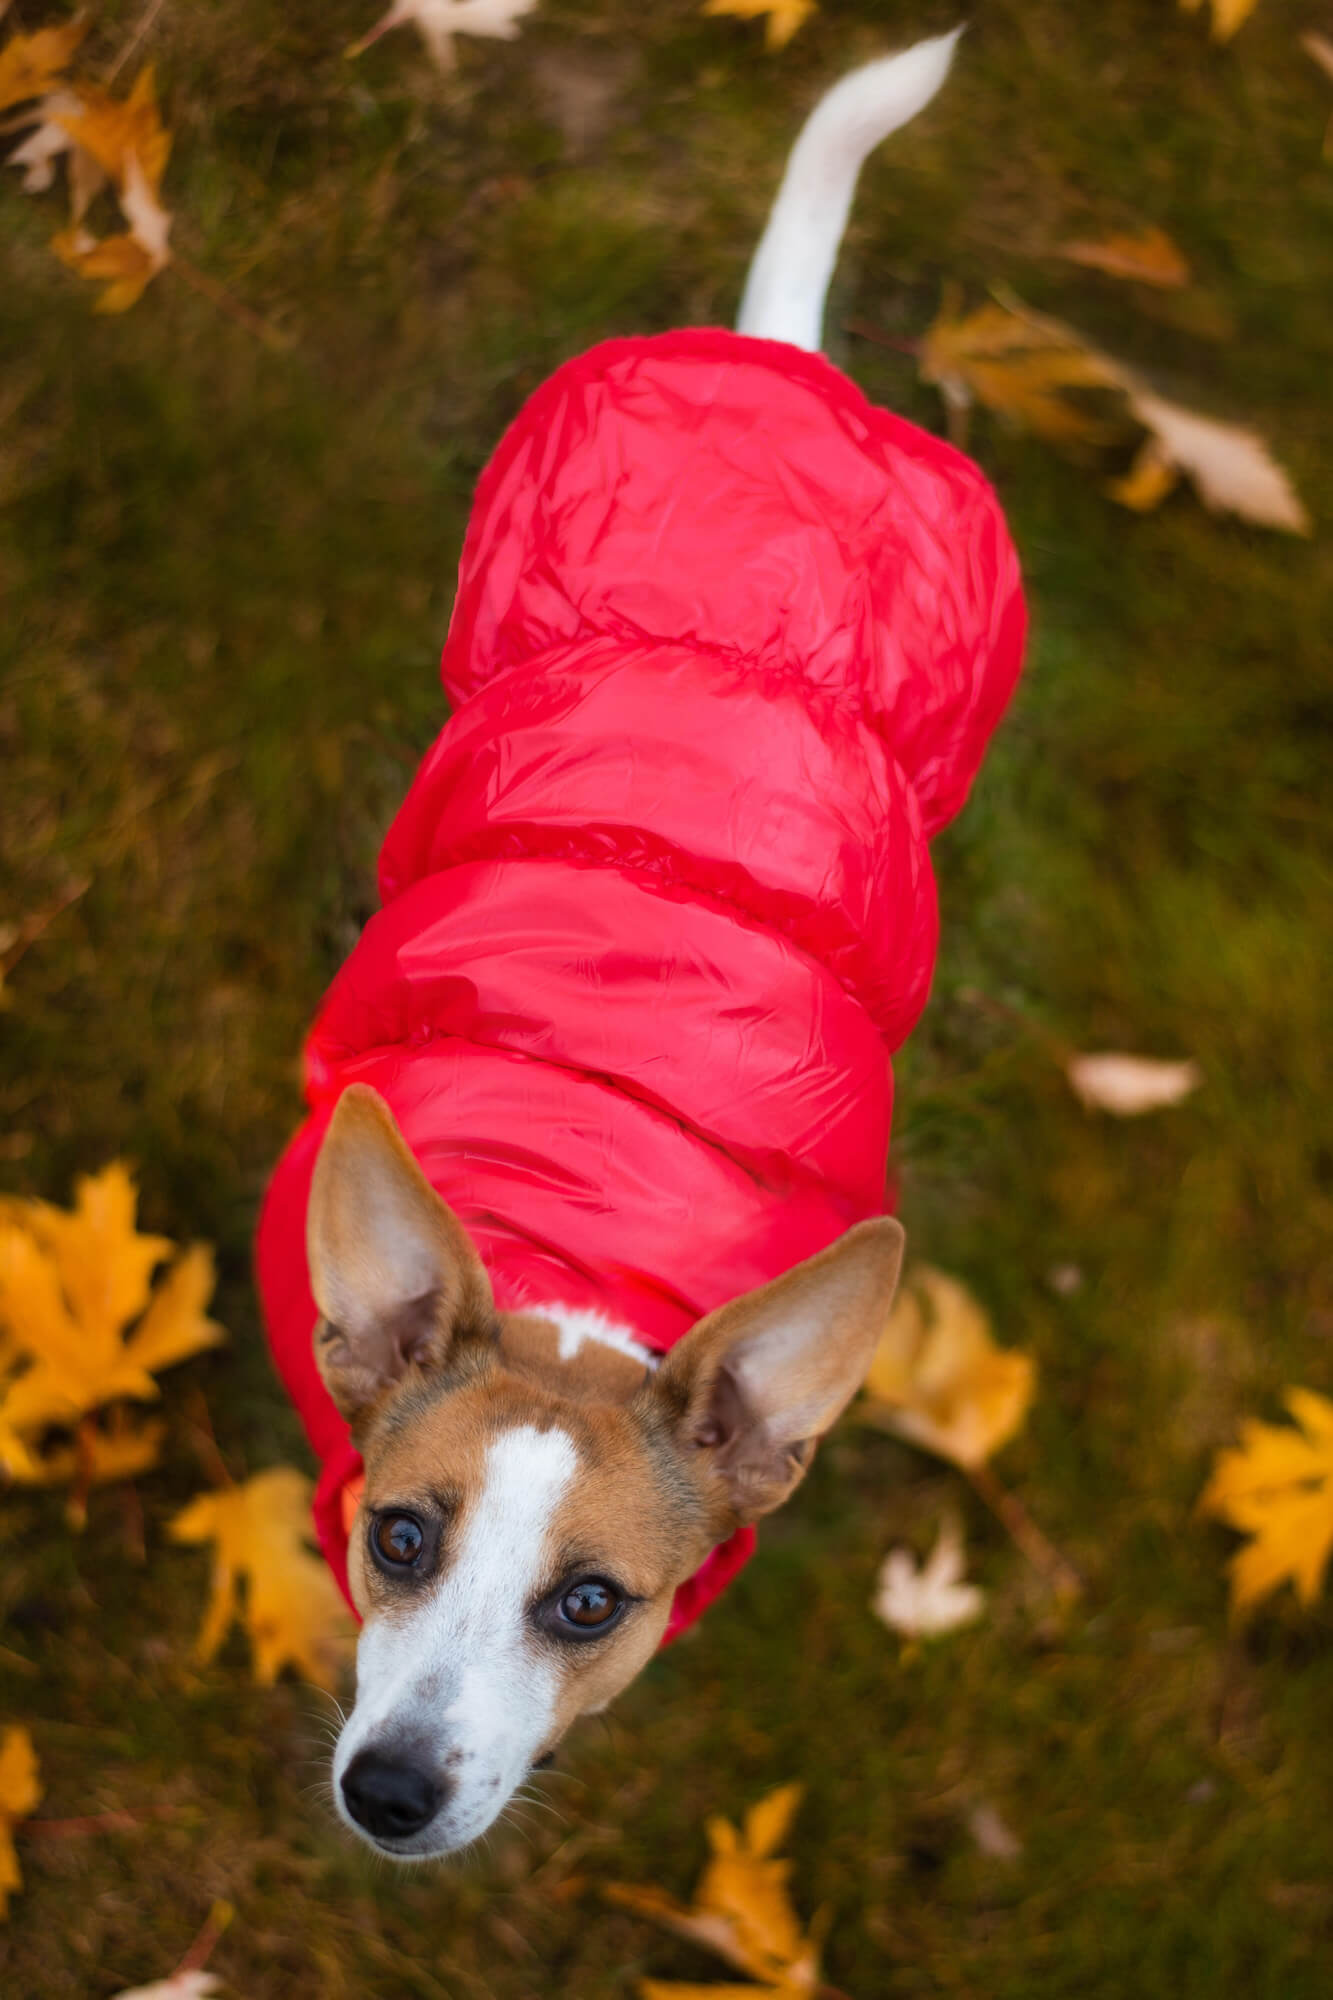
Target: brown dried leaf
column 1148, row 258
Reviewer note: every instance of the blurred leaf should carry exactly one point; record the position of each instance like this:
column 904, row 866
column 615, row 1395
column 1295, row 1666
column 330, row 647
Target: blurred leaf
column 1032, row 371
column 1149, row 258
column 1277, row 1487
column 1320, row 50
column 116, row 131
column 180, row 1986
column 20, row 1789
column 784, row 17
column 1042, row 376
column 1228, row 15
column 939, row 1380
column 1229, row 466
column 1126, row 1086
column 927, row 1601
column 29, row 64
column 291, row 1607
column 741, row 1909
column 438, row 21
column 97, row 1457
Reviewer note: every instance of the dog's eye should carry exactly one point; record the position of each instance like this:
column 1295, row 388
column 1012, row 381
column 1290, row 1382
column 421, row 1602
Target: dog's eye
column 590, row 1604
column 398, row 1539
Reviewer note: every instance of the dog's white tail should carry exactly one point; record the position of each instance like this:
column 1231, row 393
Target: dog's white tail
column 789, row 276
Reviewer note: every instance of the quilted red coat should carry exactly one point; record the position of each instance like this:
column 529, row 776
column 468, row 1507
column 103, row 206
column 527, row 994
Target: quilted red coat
column 727, row 648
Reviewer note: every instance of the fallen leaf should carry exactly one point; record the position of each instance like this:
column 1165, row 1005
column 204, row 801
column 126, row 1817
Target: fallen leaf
column 1149, row 258
column 122, row 260
column 939, row 1380
column 290, row 1607
column 1034, row 373
column 1040, row 375
column 20, row 1789
column 438, row 21
column 784, row 17
column 98, row 1457
column 30, row 64
column 72, row 1285
column 117, row 130
column 741, row 1909
column 38, row 153
column 1228, row 15
column 123, row 140
column 992, row 1835
column 923, row 1603
column 679, row 1989
column 1277, row 1487
column 180, row 1986
column 1127, row 1086
column 1229, row 466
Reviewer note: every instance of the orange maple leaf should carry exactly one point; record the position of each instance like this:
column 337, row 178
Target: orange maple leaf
column 20, row 1789
column 741, row 1909
column 73, row 1284
column 29, row 64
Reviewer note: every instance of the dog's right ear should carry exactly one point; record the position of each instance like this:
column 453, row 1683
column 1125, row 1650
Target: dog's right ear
column 395, row 1275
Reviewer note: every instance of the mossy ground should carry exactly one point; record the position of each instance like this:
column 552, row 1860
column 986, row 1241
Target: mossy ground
column 226, row 571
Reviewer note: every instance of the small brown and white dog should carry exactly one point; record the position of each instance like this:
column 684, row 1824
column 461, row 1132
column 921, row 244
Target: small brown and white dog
column 586, row 1478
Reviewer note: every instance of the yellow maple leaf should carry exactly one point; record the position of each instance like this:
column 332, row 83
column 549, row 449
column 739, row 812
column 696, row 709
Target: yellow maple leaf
column 29, row 64
column 115, row 130
column 783, row 17
column 1276, row 1486
column 96, row 1458
column 939, row 1380
column 1042, row 376
column 1228, row 15
column 72, row 1285
column 20, row 1789
column 123, row 139
column 1032, row 371
column 741, row 1909
column 265, row 1576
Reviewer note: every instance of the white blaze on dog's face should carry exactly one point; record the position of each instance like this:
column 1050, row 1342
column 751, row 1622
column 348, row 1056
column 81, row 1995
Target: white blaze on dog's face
column 535, row 1488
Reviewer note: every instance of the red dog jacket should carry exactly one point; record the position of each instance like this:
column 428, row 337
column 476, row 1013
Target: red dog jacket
column 727, row 648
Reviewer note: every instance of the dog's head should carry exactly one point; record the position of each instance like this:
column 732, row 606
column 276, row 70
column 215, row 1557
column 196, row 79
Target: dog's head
column 531, row 1505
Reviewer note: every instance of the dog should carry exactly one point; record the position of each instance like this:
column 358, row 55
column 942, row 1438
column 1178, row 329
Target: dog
column 583, row 1246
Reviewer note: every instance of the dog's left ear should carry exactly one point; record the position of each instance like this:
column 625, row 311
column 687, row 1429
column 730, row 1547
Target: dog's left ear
column 753, row 1387
column 394, row 1273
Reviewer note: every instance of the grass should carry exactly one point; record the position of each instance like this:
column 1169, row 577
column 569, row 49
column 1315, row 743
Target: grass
column 226, row 572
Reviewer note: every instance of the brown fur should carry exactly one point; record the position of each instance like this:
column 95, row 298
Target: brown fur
column 669, row 1461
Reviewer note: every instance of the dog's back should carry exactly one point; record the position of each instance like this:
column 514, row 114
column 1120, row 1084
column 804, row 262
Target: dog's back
column 727, row 647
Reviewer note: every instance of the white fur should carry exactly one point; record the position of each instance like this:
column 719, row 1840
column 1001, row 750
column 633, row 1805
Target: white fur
column 460, row 1680
column 578, row 1324
column 790, row 273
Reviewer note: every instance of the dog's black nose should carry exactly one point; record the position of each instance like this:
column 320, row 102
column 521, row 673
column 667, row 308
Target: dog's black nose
column 390, row 1800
